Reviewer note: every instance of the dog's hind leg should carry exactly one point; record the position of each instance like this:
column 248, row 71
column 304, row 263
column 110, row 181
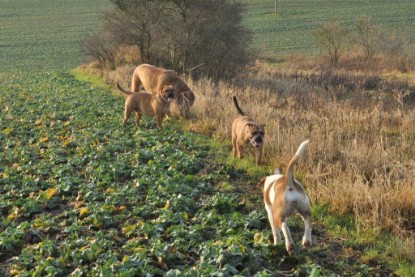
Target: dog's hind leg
column 275, row 230
column 307, row 229
column 279, row 220
column 135, row 83
column 126, row 116
column 137, row 118
column 289, row 244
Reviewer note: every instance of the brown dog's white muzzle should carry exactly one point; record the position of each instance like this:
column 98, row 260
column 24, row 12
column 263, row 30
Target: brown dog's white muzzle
column 169, row 96
column 257, row 141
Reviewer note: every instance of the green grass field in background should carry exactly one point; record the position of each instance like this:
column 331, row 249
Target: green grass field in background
column 290, row 30
column 44, row 35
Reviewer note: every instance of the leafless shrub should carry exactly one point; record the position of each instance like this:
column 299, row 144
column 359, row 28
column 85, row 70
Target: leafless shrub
column 332, row 37
column 368, row 36
column 398, row 52
column 393, row 44
column 100, row 47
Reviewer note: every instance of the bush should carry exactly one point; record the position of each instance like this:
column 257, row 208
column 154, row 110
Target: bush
column 200, row 37
column 368, row 36
column 333, row 38
column 101, row 48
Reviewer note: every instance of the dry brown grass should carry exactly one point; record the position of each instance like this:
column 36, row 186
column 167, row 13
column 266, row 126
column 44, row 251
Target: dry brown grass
column 360, row 159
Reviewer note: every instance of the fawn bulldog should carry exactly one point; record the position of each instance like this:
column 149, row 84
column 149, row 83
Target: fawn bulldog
column 284, row 196
column 246, row 131
column 143, row 103
column 153, row 78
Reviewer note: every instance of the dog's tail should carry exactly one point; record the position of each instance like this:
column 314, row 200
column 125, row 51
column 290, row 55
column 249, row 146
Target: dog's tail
column 293, row 161
column 237, row 106
column 123, row 90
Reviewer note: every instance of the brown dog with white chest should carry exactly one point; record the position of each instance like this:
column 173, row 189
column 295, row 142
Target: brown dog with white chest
column 284, row 196
column 246, row 131
column 143, row 103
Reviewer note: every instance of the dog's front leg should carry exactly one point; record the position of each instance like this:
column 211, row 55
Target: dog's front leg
column 159, row 119
column 240, row 150
column 258, row 156
column 234, row 146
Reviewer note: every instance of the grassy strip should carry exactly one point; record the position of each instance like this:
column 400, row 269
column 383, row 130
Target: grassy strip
column 94, row 80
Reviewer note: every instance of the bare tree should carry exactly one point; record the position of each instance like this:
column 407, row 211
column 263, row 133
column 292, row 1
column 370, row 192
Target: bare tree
column 368, row 36
column 100, row 47
column 134, row 22
column 333, row 38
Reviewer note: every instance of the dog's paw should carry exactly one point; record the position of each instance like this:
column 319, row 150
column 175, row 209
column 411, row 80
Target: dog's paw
column 306, row 243
column 290, row 249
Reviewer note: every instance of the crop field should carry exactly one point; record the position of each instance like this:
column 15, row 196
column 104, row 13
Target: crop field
column 43, row 35
column 290, row 30
column 81, row 194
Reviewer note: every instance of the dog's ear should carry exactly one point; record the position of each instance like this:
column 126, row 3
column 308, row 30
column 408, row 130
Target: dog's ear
column 277, row 171
column 260, row 184
column 166, row 88
column 252, row 125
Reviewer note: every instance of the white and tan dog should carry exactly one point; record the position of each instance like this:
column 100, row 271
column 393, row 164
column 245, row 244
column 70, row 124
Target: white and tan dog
column 284, row 196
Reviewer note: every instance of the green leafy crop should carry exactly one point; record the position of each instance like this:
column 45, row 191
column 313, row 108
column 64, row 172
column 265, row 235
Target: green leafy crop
column 83, row 195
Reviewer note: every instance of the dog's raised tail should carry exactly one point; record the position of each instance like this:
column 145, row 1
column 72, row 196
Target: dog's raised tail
column 293, row 161
column 237, row 106
column 123, row 90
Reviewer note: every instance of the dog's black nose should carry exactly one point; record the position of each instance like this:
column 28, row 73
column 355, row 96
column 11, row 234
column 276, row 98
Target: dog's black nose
column 258, row 139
